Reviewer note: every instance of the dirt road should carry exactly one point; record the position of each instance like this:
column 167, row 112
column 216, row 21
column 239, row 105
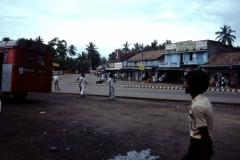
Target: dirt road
column 95, row 128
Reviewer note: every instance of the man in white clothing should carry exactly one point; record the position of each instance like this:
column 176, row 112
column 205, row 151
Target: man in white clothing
column 111, row 87
column 55, row 80
column 82, row 85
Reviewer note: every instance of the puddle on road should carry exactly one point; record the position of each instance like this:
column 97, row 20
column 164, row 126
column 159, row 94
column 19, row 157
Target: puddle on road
column 133, row 155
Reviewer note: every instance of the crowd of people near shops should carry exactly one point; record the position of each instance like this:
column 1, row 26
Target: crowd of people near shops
column 216, row 79
column 220, row 80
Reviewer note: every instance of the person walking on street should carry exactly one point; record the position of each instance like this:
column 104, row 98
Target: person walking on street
column 55, row 80
column 111, row 87
column 200, row 117
column 82, row 85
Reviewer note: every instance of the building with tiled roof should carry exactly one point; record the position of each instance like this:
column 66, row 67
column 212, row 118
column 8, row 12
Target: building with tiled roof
column 224, row 59
column 224, row 65
column 143, row 63
column 149, row 55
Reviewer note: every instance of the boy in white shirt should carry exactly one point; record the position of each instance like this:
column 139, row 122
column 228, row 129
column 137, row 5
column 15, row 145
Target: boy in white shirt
column 200, row 117
column 55, row 80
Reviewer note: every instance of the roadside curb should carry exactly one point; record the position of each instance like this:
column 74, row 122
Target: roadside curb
column 141, row 98
column 155, row 87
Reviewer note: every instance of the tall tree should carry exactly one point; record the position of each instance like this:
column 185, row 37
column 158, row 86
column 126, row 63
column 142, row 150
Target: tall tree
column 163, row 45
column 137, row 46
column 6, row 39
column 61, row 48
column 125, row 48
column 103, row 60
column 53, row 43
column 112, row 56
column 72, row 50
column 39, row 39
column 93, row 55
column 225, row 35
column 154, row 45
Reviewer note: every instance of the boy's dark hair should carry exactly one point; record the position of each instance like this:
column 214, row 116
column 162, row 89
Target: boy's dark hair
column 198, row 80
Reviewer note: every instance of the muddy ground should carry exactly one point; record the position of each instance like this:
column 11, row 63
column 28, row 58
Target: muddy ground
column 95, row 128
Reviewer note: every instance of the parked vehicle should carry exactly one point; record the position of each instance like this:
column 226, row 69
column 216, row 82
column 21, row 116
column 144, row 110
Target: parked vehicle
column 25, row 66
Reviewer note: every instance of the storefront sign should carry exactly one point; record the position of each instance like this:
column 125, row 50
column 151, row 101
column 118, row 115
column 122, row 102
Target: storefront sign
column 170, row 47
column 201, row 45
column 171, row 64
column 191, row 62
column 118, row 65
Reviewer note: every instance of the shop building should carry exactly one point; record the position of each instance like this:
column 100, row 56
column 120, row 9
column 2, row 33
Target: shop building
column 223, row 67
column 182, row 57
column 148, row 60
column 117, row 66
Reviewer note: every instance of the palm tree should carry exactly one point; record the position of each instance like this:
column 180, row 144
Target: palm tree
column 126, row 47
column 137, row 46
column 52, row 44
column 39, row 39
column 61, row 48
column 92, row 50
column 154, row 44
column 72, row 50
column 163, row 45
column 225, row 36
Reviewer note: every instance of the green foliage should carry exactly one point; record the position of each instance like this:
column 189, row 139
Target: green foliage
column 103, row 60
column 6, row 39
column 72, row 50
column 112, row 56
column 93, row 55
column 39, row 39
column 225, row 35
column 125, row 48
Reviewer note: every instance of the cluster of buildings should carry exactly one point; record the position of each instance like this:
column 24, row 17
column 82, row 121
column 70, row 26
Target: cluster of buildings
column 171, row 64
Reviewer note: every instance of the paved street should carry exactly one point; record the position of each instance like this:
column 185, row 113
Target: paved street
column 68, row 84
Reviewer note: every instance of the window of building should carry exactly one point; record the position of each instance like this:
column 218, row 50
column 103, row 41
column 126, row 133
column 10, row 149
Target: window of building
column 30, row 58
column 179, row 57
column 41, row 59
column 169, row 58
column 191, row 56
column 5, row 57
column 199, row 56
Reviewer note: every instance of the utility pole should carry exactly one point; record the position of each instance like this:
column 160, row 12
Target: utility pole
column 142, row 65
column 90, row 61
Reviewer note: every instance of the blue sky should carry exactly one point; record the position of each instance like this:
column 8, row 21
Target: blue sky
column 111, row 23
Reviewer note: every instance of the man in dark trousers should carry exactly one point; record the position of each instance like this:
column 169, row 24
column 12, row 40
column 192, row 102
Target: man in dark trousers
column 200, row 117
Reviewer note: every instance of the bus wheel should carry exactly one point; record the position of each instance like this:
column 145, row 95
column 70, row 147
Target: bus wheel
column 20, row 95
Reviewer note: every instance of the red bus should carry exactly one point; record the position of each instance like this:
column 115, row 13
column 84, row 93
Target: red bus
column 25, row 66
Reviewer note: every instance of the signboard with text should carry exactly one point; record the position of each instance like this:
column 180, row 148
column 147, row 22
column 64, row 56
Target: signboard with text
column 168, row 64
column 118, row 65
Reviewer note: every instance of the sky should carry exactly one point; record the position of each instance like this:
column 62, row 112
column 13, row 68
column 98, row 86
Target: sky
column 111, row 23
